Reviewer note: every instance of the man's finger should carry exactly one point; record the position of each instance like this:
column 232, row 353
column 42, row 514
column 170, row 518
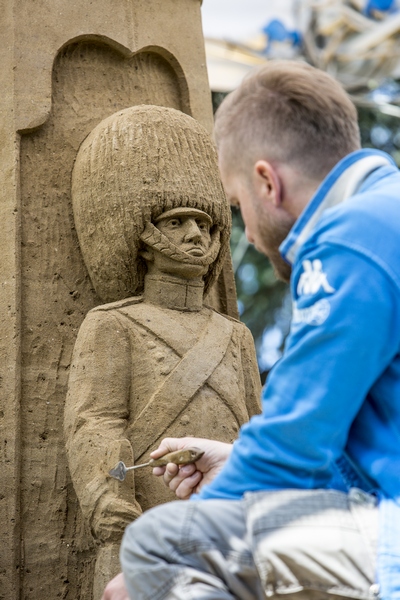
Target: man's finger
column 167, row 445
column 179, row 476
column 158, row 471
column 188, row 486
column 171, row 470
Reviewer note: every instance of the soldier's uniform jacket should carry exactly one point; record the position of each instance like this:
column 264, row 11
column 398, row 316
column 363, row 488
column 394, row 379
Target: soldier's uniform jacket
column 141, row 373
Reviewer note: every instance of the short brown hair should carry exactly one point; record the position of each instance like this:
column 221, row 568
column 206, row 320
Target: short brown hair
column 289, row 112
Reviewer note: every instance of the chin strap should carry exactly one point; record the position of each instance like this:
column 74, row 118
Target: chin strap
column 153, row 237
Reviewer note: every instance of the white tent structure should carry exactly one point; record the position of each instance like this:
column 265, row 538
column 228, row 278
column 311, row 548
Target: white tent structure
column 228, row 63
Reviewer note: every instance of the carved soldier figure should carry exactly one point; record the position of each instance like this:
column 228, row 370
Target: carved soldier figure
column 153, row 225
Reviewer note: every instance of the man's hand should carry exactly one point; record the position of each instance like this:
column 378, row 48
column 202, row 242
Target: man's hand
column 189, row 479
column 115, row 589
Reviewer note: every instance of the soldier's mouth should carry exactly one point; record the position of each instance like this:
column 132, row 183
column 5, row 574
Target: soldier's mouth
column 196, row 251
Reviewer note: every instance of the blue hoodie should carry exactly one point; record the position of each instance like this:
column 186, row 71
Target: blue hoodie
column 335, row 394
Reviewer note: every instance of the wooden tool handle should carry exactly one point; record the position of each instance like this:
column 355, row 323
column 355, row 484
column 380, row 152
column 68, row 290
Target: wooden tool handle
column 179, row 457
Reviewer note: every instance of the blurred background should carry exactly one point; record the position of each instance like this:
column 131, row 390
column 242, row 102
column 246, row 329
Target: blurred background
column 356, row 41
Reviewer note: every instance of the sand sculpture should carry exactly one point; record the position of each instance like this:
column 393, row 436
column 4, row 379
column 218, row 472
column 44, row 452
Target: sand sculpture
column 153, row 224
column 65, row 67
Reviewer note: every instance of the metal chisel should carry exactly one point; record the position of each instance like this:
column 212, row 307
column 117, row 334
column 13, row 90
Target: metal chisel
column 179, row 457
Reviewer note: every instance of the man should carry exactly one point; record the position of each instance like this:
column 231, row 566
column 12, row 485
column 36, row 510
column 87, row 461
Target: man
column 161, row 362
column 298, row 505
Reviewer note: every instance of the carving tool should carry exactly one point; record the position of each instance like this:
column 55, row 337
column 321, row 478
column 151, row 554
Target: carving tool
column 179, row 457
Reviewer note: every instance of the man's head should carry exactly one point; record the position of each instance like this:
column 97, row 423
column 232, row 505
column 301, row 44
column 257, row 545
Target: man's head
column 134, row 168
column 278, row 135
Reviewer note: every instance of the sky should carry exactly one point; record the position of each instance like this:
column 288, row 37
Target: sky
column 240, row 20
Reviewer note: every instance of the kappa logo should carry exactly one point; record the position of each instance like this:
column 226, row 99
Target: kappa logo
column 313, row 278
column 312, row 315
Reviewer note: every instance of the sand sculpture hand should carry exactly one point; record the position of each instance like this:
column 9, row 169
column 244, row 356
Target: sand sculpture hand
column 111, row 516
column 189, row 479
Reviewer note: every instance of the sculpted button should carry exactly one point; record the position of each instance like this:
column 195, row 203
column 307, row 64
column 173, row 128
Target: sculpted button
column 165, row 370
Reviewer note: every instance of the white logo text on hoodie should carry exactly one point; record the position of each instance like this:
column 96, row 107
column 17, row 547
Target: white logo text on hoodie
column 313, row 279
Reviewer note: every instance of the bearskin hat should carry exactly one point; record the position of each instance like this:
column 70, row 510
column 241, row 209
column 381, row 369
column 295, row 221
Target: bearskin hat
column 135, row 165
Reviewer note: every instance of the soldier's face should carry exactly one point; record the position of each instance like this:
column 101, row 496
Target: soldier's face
column 191, row 234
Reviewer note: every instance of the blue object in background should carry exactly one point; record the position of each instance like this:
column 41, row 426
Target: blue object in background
column 276, row 31
column 388, row 91
column 379, row 5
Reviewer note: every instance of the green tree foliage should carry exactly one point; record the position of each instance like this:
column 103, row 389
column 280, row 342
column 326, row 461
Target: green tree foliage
column 380, row 131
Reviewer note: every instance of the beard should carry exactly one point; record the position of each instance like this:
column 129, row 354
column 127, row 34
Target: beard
column 272, row 232
column 281, row 268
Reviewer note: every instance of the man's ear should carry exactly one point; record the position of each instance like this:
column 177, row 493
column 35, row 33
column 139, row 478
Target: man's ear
column 267, row 182
column 147, row 253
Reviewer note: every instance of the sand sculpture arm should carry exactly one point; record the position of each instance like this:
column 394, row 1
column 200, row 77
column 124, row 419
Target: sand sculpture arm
column 252, row 382
column 96, row 419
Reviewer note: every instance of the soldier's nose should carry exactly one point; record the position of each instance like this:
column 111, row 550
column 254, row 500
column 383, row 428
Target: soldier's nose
column 192, row 231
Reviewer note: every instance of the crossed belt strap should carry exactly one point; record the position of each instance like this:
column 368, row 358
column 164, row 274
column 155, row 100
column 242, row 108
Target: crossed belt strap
column 185, row 380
